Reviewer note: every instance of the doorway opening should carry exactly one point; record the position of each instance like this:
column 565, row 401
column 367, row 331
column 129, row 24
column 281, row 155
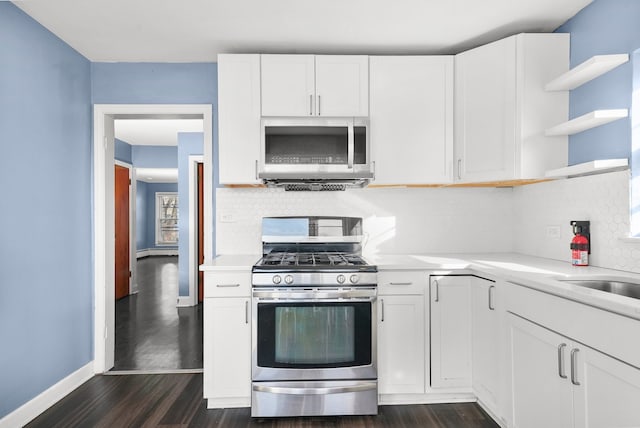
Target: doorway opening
column 155, row 269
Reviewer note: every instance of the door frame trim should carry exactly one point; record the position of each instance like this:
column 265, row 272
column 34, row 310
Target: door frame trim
column 103, row 211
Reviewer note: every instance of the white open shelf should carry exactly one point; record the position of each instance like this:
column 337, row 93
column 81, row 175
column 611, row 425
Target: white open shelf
column 587, row 168
column 588, row 70
column 587, row 121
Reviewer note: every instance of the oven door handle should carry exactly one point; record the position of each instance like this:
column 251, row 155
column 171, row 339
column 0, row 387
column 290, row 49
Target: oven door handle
column 314, row 296
column 364, row 386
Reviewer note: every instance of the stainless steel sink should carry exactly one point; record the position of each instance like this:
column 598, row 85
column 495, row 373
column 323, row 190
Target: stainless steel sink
column 620, row 286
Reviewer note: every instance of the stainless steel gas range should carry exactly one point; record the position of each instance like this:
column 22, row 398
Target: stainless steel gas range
column 314, row 320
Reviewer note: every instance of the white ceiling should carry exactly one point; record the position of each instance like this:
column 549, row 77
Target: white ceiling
column 154, row 132
column 197, row 30
column 157, row 175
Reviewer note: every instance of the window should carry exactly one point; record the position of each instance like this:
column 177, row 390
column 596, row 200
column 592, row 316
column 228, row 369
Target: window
column 166, row 218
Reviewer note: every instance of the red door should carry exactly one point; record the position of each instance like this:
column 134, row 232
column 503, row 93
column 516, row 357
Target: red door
column 200, row 229
column 122, row 253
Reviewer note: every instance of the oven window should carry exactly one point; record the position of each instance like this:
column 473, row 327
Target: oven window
column 314, row 335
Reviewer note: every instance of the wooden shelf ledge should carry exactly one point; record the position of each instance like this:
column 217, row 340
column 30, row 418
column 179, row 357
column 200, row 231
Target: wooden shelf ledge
column 587, row 121
column 588, row 70
column 589, row 168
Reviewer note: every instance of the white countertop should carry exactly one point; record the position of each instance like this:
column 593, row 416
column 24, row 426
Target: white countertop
column 230, row 262
column 534, row 272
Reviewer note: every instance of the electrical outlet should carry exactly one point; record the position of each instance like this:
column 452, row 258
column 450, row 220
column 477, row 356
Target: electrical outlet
column 553, row 232
column 227, row 217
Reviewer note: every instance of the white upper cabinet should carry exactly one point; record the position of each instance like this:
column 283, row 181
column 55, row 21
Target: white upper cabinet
column 288, row 85
column 315, row 85
column 502, row 109
column 238, row 118
column 411, row 119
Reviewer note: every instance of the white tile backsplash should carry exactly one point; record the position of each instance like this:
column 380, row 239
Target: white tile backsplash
column 532, row 220
column 602, row 199
column 396, row 221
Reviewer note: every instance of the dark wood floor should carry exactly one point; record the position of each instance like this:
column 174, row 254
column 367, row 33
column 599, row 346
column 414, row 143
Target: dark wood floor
column 175, row 400
column 151, row 333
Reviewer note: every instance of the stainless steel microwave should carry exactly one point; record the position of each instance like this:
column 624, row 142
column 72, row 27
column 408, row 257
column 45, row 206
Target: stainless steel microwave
column 315, row 150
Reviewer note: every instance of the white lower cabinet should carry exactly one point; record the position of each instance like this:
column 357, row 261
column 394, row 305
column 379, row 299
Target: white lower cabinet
column 450, row 307
column 227, row 341
column 557, row 382
column 401, row 363
column 486, row 342
column 401, row 333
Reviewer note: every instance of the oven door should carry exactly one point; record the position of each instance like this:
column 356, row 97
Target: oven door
column 314, row 335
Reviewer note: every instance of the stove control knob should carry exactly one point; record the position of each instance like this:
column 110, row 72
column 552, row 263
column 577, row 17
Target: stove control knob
column 354, row 279
column 340, row 279
column 276, row 279
column 288, row 279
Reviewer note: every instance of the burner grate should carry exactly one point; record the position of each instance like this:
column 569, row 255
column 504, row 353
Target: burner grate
column 312, row 259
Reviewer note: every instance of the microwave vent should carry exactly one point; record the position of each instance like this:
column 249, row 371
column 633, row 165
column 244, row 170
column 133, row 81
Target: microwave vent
column 304, row 187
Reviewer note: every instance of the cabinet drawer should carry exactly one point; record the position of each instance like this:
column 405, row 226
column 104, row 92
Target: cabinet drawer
column 398, row 282
column 227, row 284
column 610, row 333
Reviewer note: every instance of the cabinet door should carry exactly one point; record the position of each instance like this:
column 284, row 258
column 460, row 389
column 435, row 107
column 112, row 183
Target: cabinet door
column 401, row 345
column 342, row 85
column 227, row 349
column 239, row 118
column 450, row 331
column 541, row 390
column 485, row 94
column 288, row 85
column 486, row 344
column 609, row 391
column 411, row 119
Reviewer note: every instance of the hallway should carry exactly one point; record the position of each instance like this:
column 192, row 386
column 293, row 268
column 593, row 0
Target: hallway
column 152, row 334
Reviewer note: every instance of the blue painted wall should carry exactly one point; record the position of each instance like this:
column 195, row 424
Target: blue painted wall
column 155, row 156
column 46, row 286
column 603, row 27
column 189, row 143
column 159, row 83
column 146, row 213
column 142, row 214
column 123, row 152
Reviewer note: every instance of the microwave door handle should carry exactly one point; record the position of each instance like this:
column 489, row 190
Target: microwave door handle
column 350, row 147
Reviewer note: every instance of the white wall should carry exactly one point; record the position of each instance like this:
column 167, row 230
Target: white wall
column 397, row 221
column 453, row 220
column 602, row 199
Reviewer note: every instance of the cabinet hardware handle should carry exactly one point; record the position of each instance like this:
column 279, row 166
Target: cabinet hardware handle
column 561, row 371
column 382, row 310
column 574, row 366
column 400, row 283
column 491, row 307
column 256, row 168
column 350, row 145
column 373, row 163
column 319, row 114
column 459, row 169
column 246, row 312
column 310, row 104
column 227, row 285
column 435, row 283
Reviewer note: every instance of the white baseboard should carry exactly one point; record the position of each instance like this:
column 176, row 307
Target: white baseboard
column 157, row 252
column 33, row 408
column 186, row 302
